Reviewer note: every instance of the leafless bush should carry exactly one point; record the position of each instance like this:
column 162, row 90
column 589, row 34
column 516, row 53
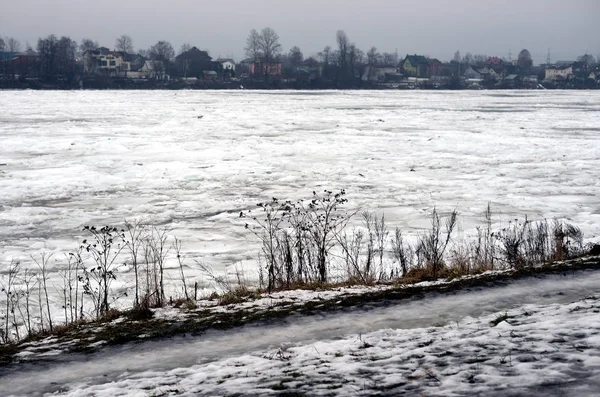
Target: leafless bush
column 42, row 282
column 528, row 243
column 352, row 245
column 104, row 247
column 157, row 241
column 135, row 232
column 568, row 240
column 267, row 228
column 297, row 238
column 433, row 243
column 28, row 282
column 364, row 248
column 180, row 260
column 8, row 288
column 403, row 253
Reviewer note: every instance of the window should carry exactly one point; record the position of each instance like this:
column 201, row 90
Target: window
column 113, row 63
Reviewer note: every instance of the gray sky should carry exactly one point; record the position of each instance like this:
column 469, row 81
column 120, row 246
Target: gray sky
column 432, row 27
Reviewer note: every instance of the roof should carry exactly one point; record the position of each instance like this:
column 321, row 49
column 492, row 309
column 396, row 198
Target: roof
column 28, row 53
column 557, row 67
column 210, row 72
column 565, row 63
column 7, row 56
column 137, row 62
column 494, row 61
column 194, row 53
column 222, row 60
column 511, row 77
column 416, row 59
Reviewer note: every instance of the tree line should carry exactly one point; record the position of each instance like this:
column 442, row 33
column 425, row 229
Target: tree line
column 344, row 64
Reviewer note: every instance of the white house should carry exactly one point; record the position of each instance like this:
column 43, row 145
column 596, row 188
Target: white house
column 105, row 61
column 489, row 73
column 227, row 63
column 471, row 73
column 378, row 73
column 558, row 72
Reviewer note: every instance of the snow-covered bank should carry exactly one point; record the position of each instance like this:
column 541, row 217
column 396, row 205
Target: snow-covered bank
column 141, row 368
column 549, row 350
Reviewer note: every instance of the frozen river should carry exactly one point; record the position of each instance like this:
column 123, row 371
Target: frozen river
column 192, row 160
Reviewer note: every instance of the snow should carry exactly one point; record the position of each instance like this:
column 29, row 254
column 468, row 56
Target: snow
column 437, row 344
column 89, row 158
column 70, row 159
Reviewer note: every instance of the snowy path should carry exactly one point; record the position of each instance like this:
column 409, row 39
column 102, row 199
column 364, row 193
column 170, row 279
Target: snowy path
column 220, row 359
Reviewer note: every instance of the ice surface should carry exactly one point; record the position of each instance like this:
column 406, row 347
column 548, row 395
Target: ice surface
column 69, row 159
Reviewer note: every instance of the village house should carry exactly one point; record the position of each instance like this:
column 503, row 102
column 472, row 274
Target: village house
column 210, row 75
column 227, row 63
column 489, row 73
column 558, row 73
column 434, row 67
column 25, row 63
column 415, row 66
column 104, row 61
column 471, row 73
column 258, row 67
column 378, row 73
column 193, row 63
column 143, row 68
column 420, row 66
column 512, row 80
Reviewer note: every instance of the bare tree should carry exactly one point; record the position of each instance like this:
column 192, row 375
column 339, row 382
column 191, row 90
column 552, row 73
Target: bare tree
column 343, row 45
column 373, row 59
column 295, row 56
column 67, row 50
column 12, row 45
column 162, row 54
column 270, row 49
column 389, row 59
column 2, row 44
column 479, row 60
column 355, row 62
column 124, row 43
column 457, row 58
column 184, row 55
column 467, row 59
column 587, row 59
column 252, row 48
column 325, row 57
column 524, row 60
column 162, row 51
column 48, row 51
column 88, row 45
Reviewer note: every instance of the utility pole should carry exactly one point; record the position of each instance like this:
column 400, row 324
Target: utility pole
column 548, row 59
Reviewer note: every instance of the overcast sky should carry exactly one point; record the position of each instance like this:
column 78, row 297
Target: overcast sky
column 436, row 28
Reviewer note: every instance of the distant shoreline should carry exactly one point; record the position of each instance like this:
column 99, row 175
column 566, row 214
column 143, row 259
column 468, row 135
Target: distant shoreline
column 133, row 85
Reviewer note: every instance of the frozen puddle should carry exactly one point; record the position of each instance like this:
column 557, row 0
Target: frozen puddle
column 434, row 345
